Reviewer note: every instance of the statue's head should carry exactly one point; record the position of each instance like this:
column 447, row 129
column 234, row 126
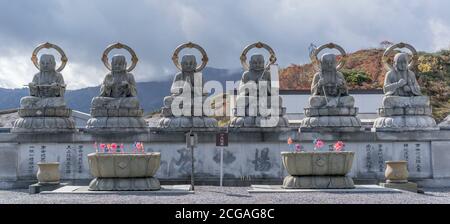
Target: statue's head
column 118, row 63
column 47, row 63
column 328, row 62
column 257, row 62
column 401, row 61
column 188, row 63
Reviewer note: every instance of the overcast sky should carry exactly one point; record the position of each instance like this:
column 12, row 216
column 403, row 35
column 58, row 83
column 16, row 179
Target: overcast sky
column 83, row 28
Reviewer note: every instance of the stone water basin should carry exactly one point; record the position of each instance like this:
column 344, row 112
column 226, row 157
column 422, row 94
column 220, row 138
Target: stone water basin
column 318, row 163
column 105, row 165
column 318, row 170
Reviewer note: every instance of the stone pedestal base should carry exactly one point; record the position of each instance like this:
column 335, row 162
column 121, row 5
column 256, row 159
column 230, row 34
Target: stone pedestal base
column 187, row 122
column 405, row 123
column 318, row 182
column 331, row 122
column 402, row 186
column 255, row 122
column 125, row 184
column 43, row 125
column 39, row 187
column 333, row 117
column 445, row 125
column 117, row 124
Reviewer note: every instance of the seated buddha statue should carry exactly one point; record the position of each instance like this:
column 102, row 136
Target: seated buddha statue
column 185, row 80
column 330, row 105
column 185, row 106
column 44, row 110
column 401, row 87
column 117, row 108
column 250, row 83
column 258, row 103
column 404, row 106
column 47, row 88
column 118, row 89
column 329, row 88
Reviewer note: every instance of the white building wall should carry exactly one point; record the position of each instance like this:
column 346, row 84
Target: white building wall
column 368, row 104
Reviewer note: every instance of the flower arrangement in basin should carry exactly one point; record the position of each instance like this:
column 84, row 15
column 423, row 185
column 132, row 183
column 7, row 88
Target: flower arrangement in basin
column 318, row 169
column 121, row 171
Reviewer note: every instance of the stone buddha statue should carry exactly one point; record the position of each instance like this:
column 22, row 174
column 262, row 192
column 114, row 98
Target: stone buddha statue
column 329, row 88
column 330, row 105
column 118, row 89
column 401, row 87
column 251, row 79
column 185, row 80
column 184, row 108
column 117, row 108
column 404, row 107
column 47, row 87
column 252, row 101
column 44, row 110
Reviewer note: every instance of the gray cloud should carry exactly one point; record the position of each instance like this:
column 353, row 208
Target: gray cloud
column 155, row 27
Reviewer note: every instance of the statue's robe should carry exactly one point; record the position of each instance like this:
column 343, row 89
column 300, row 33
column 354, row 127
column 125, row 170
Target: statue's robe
column 118, row 90
column 40, row 86
column 251, row 97
column 43, row 94
column 391, row 80
column 118, row 85
column 183, row 82
column 330, row 94
column 396, row 96
column 330, row 80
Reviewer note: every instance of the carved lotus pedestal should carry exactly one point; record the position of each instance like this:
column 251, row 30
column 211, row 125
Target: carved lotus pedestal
column 258, row 121
column 318, row 170
column 405, row 119
column 124, row 172
column 44, row 120
column 117, row 120
column 333, row 118
column 187, row 122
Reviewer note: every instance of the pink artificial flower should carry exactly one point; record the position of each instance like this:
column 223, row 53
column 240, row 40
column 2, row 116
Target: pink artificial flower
column 102, row 147
column 318, row 144
column 290, row 141
column 113, row 147
column 339, row 146
column 298, row 148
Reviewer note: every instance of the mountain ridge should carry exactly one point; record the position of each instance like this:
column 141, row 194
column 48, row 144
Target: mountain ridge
column 150, row 94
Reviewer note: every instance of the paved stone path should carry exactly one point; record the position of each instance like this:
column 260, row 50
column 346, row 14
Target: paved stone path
column 233, row 195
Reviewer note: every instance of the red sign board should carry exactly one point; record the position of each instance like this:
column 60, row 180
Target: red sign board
column 222, row 140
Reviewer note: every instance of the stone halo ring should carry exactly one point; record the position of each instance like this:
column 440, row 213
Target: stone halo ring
column 134, row 58
column 190, row 45
column 400, row 46
column 315, row 59
column 48, row 45
column 259, row 45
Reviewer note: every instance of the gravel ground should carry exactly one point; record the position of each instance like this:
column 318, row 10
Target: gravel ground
column 233, row 195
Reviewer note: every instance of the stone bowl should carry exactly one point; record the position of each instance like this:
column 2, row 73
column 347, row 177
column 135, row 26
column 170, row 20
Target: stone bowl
column 396, row 172
column 48, row 173
column 318, row 163
column 105, row 165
